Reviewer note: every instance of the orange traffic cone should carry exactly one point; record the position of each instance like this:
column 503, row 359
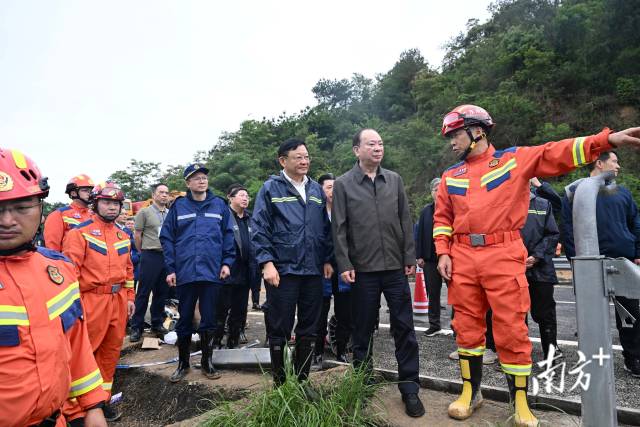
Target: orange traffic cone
column 420, row 300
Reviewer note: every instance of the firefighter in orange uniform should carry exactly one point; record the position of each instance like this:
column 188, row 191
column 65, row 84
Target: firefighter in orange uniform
column 100, row 251
column 482, row 204
column 45, row 353
column 63, row 219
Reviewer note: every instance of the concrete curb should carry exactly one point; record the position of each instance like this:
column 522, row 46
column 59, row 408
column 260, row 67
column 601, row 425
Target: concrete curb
column 629, row 416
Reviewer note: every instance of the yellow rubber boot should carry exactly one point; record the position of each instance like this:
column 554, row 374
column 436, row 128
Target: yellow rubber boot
column 471, row 396
column 523, row 417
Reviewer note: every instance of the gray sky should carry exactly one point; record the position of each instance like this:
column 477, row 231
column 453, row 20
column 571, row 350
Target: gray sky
column 85, row 85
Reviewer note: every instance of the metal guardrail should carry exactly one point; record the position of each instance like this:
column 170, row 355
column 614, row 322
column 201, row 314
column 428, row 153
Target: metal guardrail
column 561, row 264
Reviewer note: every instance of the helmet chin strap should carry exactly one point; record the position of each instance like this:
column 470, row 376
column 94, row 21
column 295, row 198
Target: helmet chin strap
column 474, row 142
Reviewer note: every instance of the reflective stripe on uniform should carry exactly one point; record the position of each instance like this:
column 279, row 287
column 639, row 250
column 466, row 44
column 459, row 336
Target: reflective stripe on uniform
column 284, row 199
column 577, row 151
column 498, row 173
column 516, row 369
column 107, row 386
column 85, row 384
column 14, row 315
column 315, row 199
column 128, row 284
column 191, row 215
column 457, row 182
column 212, row 215
column 478, row 351
column 535, row 212
column 70, row 220
column 442, row 231
column 62, row 301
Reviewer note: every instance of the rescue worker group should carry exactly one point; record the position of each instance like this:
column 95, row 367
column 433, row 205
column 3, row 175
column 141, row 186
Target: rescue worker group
column 65, row 304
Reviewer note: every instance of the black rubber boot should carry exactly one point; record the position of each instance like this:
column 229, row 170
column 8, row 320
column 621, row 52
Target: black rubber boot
column 208, row 344
column 471, row 397
column 340, row 352
column 232, row 340
column 303, row 357
column 182, row 370
column 276, row 351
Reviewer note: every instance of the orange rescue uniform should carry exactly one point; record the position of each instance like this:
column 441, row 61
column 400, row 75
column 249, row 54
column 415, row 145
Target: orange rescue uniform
column 60, row 221
column 100, row 251
column 45, row 353
column 481, row 206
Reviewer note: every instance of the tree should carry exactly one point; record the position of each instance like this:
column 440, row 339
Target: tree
column 137, row 180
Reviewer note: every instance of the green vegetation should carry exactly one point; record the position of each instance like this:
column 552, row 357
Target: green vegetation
column 346, row 399
column 544, row 69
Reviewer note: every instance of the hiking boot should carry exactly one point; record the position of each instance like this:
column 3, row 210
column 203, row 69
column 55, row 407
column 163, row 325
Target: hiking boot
column 489, row 357
column 522, row 417
column 433, row 331
column 111, row 413
column 159, row 331
column 412, row 405
column 135, row 336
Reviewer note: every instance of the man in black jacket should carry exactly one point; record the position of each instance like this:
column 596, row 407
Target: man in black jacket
column 540, row 234
column 428, row 261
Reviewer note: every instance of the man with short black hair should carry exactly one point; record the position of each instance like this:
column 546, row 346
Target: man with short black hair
column 148, row 224
column 373, row 236
column 292, row 238
column 618, row 226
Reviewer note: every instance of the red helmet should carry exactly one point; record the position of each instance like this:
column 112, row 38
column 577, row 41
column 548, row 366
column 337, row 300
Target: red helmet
column 20, row 177
column 78, row 181
column 465, row 116
column 108, row 190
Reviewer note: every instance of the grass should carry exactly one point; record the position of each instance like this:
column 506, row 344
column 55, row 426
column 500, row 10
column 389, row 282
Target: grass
column 346, row 399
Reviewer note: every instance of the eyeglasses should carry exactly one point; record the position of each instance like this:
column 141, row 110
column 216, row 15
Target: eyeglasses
column 20, row 209
column 200, row 178
column 298, row 159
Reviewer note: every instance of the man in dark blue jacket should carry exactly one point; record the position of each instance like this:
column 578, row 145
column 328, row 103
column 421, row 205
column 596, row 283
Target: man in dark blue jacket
column 292, row 237
column 540, row 235
column 618, row 237
column 197, row 241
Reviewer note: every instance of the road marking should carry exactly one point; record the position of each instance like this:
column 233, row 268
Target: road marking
column 447, row 331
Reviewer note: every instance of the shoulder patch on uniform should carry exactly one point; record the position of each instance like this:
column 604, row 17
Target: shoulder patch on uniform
column 83, row 224
column 64, row 208
column 500, row 153
column 51, row 254
column 454, row 166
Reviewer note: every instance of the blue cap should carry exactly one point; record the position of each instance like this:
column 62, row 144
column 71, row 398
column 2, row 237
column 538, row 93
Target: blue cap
column 193, row 168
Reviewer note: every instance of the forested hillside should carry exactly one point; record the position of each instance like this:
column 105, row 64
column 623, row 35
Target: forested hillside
column 544, row 69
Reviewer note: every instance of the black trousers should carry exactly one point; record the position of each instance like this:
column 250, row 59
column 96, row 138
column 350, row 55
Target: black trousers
column 303, row 293
column 366, row 299
column 152, row 280
column 543, row 306
column 629, row 337
column 255, row 292
column 231, row 309
column 433, row 281
column 342, row 310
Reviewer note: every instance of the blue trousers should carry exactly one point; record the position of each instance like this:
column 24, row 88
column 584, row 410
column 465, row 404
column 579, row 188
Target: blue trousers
column 206, row 294
column 365, row 295
column 152, row 280
column 301, row 292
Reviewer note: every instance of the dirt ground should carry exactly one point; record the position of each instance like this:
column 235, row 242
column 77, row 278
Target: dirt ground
column 149, row 399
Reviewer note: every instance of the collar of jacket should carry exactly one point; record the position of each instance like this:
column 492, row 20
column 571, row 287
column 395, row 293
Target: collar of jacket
column 483, row 156
column 360, row 175
column 76, row 205
column 209, row 197
column 290, row 188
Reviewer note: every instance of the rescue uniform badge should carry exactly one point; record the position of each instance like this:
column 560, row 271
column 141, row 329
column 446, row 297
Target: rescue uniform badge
column 6, row 182
column 493, row 163
column 96, row 232
column 119, row 235
column 460, row 171
column 54, row 274
column 77, row 215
